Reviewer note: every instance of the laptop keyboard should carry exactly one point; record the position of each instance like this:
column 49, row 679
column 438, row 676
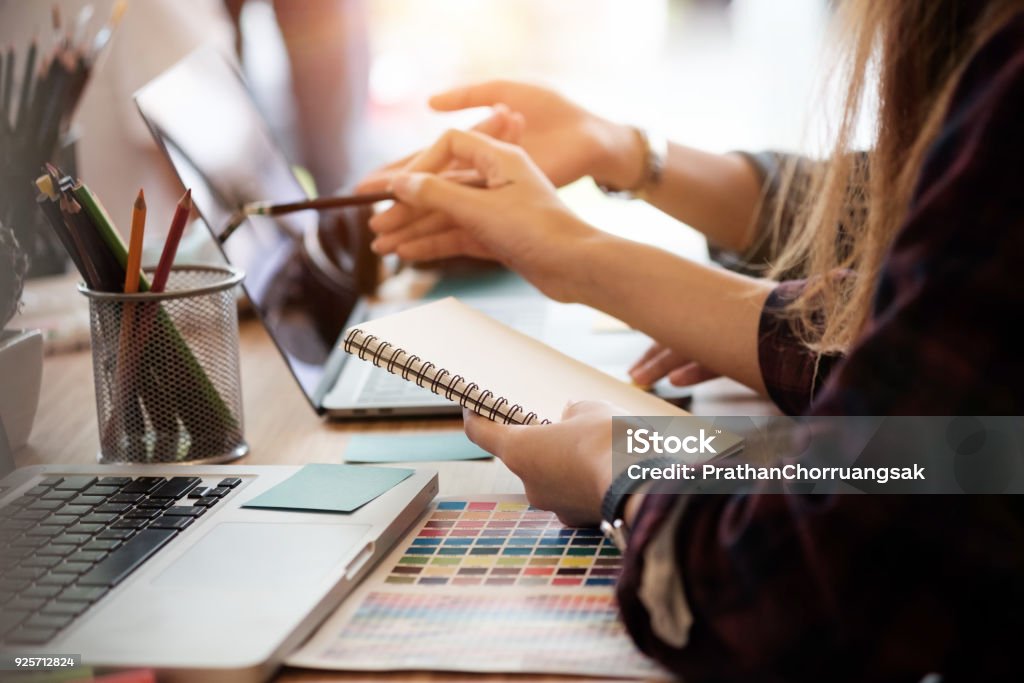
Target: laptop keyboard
column 68, row 540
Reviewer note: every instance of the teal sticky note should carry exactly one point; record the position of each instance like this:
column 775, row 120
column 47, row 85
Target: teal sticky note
column 330, row 488
column 412, row 448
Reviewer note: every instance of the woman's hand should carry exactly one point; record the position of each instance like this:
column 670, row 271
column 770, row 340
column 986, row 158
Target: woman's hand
column 517, row 220
column 566, row 467
column 564, row 140
column 660, row 361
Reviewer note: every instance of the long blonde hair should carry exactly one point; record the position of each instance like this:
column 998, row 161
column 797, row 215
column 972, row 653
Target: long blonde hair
column 845, row 218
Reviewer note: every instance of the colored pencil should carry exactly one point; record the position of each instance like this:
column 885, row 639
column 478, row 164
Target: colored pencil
column 131, row 270
column 174, row 233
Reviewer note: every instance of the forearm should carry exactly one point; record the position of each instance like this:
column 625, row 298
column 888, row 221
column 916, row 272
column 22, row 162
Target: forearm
column 707, row 314
column 717, row 194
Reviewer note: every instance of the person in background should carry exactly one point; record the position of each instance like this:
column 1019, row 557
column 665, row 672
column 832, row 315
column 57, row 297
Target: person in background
column 902, row 296
column 326, row 43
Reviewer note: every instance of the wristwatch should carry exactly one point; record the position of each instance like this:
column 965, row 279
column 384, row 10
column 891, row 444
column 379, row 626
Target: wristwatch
column 613, row 522
column 655, row 157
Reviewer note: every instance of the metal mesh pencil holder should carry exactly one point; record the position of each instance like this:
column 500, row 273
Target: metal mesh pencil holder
column 165, row 366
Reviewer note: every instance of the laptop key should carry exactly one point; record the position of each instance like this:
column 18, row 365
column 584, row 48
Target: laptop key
column 30, row 605
column 115, row 481
column 114, row 534
column 230, row 482
column 103, row 546
column 51, row 481
column 29, row 542
column 61, row 580
column 31, row 636
column 38, row 591
column 46, row 505
column 99, row 518
column 36, row 491
column 54, row 621
column 125, row 498
column 45, row 531
column 40, row 561
column 30, row 573
column 115, row 508
column 71, row 539
column 9, row 587
column 58, row 606
column 90, row 501
column 87, row 529
column 100, row 490
column 59, row 495
column 84, row 594
column 72, row 510
column 129, row 524
column 33, row 515
column 70, row 568
column 184, row 511
column 55, row 550
column 155, row 504
column 219, row 491
column 171, row 523
column 143, row 485
column 142, row 514
column 10, row 620
column 88, row 556
column 198, row 492
column 123, row 561
column 16, row 524
column 175, row 488
column 207, row 501
column 76, row 483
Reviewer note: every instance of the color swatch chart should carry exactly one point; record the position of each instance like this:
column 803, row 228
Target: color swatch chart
column 501, row 632
column 486, row 586
column 501, row 543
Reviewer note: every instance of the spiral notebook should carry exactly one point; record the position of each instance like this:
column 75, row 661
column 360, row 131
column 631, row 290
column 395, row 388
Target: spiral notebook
column 471, row 359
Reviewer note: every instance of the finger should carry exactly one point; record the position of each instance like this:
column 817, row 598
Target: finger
column 395, row 218
column 379, row 179
column 689, row 374
column 485, row 154
column 657, row 367
column 430, row 224
column 484, row 94
column 440, row 246
column 487, row 434
column 648, row 355
column 574, row 408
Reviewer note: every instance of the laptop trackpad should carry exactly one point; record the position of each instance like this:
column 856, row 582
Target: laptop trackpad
column 238, row 556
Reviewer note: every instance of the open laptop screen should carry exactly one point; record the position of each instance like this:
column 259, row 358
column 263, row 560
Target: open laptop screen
column 203, row 116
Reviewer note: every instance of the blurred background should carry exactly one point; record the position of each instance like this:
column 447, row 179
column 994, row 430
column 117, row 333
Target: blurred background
column 344, row 83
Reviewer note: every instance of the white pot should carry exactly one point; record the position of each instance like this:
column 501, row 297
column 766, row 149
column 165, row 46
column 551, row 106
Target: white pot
column 21, row 375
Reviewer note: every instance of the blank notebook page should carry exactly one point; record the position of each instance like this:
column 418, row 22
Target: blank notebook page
column 521, row 369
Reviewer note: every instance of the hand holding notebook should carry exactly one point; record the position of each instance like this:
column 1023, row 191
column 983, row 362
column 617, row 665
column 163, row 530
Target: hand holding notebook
column 495, row 371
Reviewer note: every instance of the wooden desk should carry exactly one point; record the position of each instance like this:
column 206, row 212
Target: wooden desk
column 282, row 429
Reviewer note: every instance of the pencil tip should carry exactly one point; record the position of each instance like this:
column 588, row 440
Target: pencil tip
column 140, row 200
column 186, row 199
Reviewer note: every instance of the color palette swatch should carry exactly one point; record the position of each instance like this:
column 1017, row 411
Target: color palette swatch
column 502, row 632
column 488, row 586
column 491, row 543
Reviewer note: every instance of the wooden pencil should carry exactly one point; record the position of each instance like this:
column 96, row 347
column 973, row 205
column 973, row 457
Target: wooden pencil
column 163, row 269
column 131, row 270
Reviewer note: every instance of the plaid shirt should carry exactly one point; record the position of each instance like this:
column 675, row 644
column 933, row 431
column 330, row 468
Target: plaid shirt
column 854, row 588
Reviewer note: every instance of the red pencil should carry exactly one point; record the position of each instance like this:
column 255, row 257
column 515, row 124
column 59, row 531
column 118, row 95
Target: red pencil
column 163, row 269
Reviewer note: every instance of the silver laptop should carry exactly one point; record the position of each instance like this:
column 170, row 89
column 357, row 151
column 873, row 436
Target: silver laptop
column 161, row 567
column 204, row 118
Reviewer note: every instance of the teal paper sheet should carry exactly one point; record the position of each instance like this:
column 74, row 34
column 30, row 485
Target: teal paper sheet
column 330, row 488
